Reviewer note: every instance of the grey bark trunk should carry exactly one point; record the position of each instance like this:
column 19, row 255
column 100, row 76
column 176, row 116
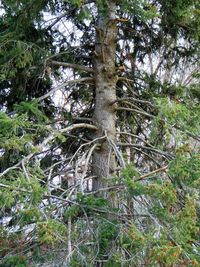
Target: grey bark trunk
column 105, row 86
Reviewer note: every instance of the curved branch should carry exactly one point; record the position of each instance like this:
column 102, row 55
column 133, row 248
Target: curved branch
column 81, row 80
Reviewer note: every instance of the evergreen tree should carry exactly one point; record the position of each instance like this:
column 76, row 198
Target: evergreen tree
column 99, row 133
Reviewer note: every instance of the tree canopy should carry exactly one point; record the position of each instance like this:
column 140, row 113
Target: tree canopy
column 99, row 133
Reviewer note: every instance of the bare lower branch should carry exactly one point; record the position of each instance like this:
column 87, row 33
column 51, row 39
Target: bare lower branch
column 71, row 65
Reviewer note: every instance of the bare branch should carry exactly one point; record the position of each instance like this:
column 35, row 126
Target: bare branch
column 136, row 111
column 81, row 80
column 132, row 99
column 71, row 65
column 153, row 172
column 135, row 136
column 86, row 166
column 117, row 153
column 166, row 155
column 86, row 144
column 25, row 171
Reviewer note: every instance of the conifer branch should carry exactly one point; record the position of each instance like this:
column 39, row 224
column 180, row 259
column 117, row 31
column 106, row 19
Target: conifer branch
column 46, row 141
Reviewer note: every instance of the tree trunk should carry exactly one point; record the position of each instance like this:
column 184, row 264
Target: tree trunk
column 105, row 86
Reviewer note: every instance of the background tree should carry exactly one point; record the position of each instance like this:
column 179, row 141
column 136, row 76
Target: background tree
column 99, row 128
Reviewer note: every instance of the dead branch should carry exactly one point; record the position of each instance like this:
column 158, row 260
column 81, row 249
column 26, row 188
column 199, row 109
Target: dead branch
column 71, row 65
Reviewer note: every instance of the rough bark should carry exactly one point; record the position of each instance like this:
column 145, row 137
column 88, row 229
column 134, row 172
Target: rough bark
column 105, row 86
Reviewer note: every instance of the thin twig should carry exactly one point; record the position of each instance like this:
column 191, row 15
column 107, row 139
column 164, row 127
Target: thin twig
column 25, row 171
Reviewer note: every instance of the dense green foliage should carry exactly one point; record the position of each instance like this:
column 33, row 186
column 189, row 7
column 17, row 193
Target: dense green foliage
column 149, row 213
